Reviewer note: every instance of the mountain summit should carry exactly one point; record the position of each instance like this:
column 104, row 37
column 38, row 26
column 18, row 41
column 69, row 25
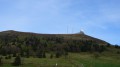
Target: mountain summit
column 79, row 36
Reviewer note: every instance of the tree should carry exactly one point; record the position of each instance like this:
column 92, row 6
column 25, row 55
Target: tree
column 6, row 57
column 102, row 48
column 14, row 54
column 58, row 54
column 17, row 61
column 9, row 56
column 118, row 52
column 117, row 46
column 51, row 56
column 96, row 55
column 39, row 54
column 44, row 55
column 22, row 53
column 108, row 45
column 66, row 54
column 3, row 52
column 1, row 61
column 27, row 53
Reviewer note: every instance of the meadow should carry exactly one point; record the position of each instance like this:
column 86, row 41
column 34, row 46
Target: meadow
column 73, row 60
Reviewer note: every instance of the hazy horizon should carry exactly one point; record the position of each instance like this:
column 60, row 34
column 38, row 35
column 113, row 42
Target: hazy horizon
column 98, row 18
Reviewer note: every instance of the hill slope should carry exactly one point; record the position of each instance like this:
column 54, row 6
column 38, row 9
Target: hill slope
column 20, row 42
column 65, row 36
column 67, row 50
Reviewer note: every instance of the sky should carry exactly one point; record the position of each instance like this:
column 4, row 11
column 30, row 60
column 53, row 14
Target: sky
column 98, row 18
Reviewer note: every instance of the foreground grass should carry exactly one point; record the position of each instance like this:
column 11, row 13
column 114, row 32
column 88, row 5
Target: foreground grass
column 73, row 60
column 90, row 61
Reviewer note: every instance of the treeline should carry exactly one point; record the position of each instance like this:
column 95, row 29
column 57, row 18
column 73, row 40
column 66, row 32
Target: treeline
column 33, row 45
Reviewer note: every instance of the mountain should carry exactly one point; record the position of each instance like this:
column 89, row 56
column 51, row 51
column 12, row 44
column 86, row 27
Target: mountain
column 77, row 36
column 69, row 48
column 29, row 44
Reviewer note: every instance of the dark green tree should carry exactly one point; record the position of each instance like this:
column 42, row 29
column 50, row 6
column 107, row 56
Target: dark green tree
column 17, row 61
column 27, row 53
column 66, row 54
column 14, row 54
column 39, row 54
column 117, row 46
column 1, row 61
column 44, row 55
column 22, row 53
column 118, row 52
column 58, row 54
column 108, row 45
column 51, row 56
column 102, row 48
column 9, row 56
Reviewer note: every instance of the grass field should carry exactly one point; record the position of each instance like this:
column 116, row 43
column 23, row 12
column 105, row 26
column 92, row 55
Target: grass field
column 106, row 59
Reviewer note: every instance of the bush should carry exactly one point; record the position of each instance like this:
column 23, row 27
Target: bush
column 117, row 46
column 51, row 56
column 14, row 54
column 44, row 55
column 118, row 52
column 17, row 61
column 66, row 54
column 102, row 48
column 96, row 55
column 1, row 61
column 108, row 45
column 39, row 54
column 6, row 57
column 9, row 57
column 57, row 55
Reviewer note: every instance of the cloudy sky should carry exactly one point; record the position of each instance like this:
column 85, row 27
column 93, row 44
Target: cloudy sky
column 98, row 18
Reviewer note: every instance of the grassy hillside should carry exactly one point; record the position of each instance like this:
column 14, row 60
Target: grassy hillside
column 77, row 36
column 35, row 50
column 12, row 42
column 74, row 60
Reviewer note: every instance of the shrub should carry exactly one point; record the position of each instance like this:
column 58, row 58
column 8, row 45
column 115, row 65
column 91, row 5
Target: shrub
column 6, row 57
column 44, row 55
column 66, row 54
column 1, row 61
column 96, row 55
column 102, row 48
column 51, row 56
column 14, row 54
column 108, row 45
column 117, row 46
column 57, row 55
column 9, row 57
column 39, row 54
column 118, row 52
column 17, row 61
